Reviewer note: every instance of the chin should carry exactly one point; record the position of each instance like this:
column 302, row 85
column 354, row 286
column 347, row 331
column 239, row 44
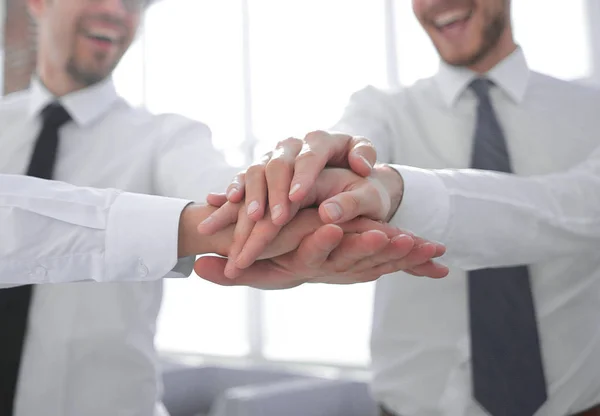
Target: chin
column 87, row 77
column 460, row 58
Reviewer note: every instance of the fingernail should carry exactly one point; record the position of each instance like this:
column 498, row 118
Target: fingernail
column 294, row 189
column 252, row 207
column 364, row 159
column 398, row 237
column 207, row 220
column 276, row 212
column 333, row 211
column 231, row 192
column 230, row 270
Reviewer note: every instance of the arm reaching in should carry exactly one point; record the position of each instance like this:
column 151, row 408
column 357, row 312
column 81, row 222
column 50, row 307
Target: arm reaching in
column 468, row 210
column 54, row 232
column 489, row 219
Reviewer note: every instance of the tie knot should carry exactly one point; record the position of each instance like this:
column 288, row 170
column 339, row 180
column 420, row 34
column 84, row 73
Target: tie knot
column 481, row 88
column 55, row 115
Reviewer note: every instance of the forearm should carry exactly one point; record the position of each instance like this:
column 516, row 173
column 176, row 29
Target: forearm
column 490, row 219
column 53, row 232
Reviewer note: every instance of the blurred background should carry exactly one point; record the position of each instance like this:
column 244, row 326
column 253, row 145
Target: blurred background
column 258, row 71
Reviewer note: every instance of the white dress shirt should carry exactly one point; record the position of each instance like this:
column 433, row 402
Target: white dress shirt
column 420, row 336
column 54, row 232
column 89, row 349
column 553, row 215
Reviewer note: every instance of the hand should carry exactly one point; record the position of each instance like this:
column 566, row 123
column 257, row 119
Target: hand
column 191, row 243
column 342, row 196
column 360, row 249
column 289, row 172
column 327, row 257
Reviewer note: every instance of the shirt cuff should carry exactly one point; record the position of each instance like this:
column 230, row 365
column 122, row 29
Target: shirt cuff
column 425, row 206
column 142, row 237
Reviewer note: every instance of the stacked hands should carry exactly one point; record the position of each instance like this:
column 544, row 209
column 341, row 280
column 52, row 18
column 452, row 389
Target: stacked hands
column 313, row 210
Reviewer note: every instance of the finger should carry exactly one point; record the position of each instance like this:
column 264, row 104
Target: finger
column 419, row 255
column 216, row 200
column 314, row 249
column 236, row 190
column 362, row 156
column 212, row 268
column 364, row 200
column 398, row 248
column 279, row 172
column 430, row 269
column 243, row 230
column 319, row 149
column 256, row 188
column 354, row 248
column 361, row 225
column 221, row 218
column 255, row 243
column 263, row 274
column 440, row 249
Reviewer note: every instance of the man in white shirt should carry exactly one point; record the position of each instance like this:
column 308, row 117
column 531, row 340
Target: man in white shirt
column 89, row 348
column 485, row 109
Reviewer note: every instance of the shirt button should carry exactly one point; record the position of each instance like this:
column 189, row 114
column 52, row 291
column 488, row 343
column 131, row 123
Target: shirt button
column 142, row 269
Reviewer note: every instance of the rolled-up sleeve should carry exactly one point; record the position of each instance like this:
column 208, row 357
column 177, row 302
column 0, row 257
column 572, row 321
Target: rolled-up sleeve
column 490, row 219
column 53, row 232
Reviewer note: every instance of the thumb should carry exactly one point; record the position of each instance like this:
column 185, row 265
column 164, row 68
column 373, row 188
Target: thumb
column 365, row 201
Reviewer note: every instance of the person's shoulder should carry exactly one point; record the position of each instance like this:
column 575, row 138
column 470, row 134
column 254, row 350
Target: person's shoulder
column 13, row 109
column 543, row 84
column 163, row 124
column 15, row 102
column 393, row 97
column 172, row 123
column 167, row 127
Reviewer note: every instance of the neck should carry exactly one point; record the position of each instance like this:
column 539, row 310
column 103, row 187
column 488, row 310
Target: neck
column 506, row 45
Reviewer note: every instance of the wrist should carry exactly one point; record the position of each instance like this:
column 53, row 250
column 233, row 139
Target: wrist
column 393, row 182
column 191, row 242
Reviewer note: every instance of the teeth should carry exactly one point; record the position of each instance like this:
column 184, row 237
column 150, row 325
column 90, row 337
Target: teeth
column 450, row 17
column 104, row 34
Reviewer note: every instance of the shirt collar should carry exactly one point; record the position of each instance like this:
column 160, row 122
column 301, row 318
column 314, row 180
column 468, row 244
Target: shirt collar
column 510, row 75
column 84, row 106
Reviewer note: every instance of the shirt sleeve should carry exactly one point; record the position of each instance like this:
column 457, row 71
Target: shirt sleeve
column 367, row 114
column 490, row 219
column 188, row 165
column 53, row 232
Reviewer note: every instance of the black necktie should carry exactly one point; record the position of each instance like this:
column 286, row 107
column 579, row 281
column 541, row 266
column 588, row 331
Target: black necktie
column 508, row 375
column 14, row 302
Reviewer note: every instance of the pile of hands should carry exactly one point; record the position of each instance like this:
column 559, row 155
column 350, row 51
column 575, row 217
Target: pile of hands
column 314, row 210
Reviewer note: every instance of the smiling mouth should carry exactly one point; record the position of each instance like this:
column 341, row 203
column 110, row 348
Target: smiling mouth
column 451, row 18
column 105, row 36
